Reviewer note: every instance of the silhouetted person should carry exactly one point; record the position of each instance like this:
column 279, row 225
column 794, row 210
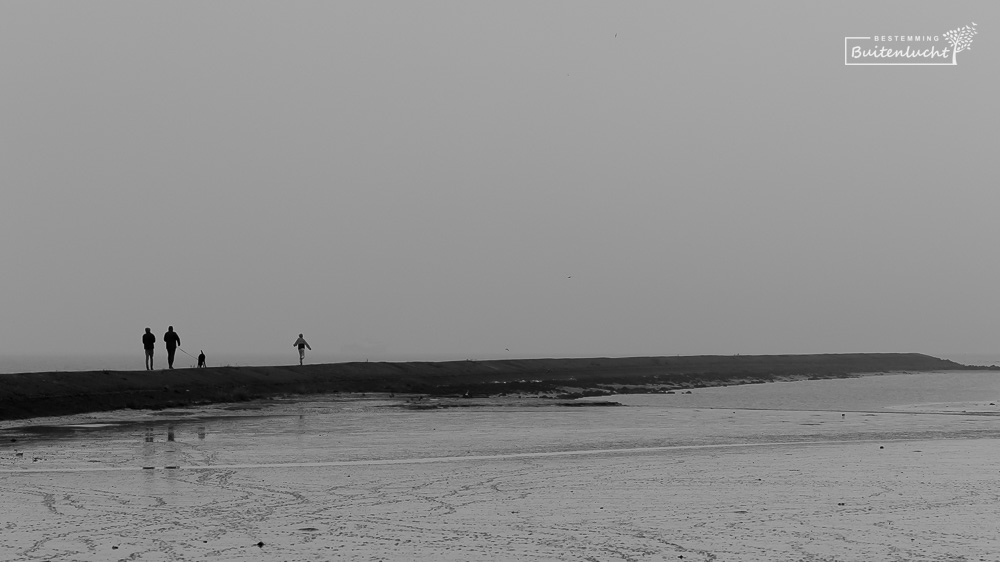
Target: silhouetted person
column 172, row 340
column 201, row 359
column 302, row 344
column 148, row 340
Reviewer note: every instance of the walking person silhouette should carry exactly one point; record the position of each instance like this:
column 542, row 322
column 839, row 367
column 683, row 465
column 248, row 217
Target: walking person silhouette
column 302, row 344
column 148, row 341
column 172, row 340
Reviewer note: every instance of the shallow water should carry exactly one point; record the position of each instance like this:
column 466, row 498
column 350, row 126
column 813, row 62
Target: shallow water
column 950, row 391
column 361, row 478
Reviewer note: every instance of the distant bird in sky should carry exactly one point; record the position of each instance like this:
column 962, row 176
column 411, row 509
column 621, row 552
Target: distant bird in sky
column 507, row 349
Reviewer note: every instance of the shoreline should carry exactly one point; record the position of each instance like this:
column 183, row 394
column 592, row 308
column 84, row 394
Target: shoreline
column 28, row 395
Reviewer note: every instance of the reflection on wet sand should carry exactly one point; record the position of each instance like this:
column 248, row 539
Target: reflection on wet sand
column 335, row 479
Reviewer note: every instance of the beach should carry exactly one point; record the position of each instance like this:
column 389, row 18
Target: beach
column 367, row 477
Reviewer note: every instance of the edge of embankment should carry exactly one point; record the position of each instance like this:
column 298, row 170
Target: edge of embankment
column 26, row 395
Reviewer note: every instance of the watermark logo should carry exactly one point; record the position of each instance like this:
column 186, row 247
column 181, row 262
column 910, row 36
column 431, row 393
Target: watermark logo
column 909, row 50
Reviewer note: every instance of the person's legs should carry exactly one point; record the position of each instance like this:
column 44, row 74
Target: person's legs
column 149, row 359
column 170, row 357
column 302, row 354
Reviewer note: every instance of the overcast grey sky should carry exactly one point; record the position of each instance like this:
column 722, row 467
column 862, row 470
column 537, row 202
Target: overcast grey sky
column 462, row 178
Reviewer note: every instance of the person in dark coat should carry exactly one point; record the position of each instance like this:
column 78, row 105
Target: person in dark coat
column 148, row 341
column 173, row 341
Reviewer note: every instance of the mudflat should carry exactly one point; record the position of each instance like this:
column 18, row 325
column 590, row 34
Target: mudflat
column 26, row 395
column 344, row 477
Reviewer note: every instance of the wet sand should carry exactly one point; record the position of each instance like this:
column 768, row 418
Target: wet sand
column 352, row 478
column 26, row 395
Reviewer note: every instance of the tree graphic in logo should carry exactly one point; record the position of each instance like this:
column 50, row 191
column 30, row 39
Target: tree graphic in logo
column 960, row 39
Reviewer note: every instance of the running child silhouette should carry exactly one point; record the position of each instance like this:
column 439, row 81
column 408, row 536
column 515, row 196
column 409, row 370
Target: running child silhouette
column 302, row 344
